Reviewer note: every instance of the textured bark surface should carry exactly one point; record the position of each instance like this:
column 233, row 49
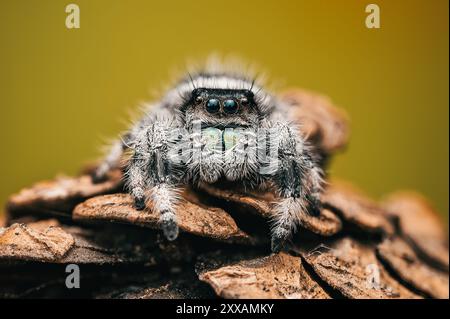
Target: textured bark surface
column 59, row 196
column 34, row 242
column 420, row 225
column 279, row 276
column 324, row 124
column 356, row 248
column 414, row 272
column 209, row 222
column 348, row 267
column 260, row 204
column 48, row 241
column 357, row 209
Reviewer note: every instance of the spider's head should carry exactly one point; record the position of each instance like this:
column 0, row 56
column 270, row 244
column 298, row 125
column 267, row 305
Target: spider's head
column 223, row 107
column 220, row 99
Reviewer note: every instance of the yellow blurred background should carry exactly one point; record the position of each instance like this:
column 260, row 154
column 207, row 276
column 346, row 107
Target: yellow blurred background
column 63, row 92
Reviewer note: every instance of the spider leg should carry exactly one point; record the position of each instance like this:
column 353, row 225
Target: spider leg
column 112, row 159
column 151, row 177
column 298, row 182
column 114, row 156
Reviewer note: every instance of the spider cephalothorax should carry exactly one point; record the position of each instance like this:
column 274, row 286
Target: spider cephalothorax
column 214, row 126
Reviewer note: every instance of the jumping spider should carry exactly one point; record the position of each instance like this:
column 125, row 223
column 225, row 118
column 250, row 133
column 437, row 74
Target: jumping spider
column 215, row 126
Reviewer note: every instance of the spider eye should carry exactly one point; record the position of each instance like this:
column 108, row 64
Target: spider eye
column 244, row 101
column 199, row 99
column 213, row 105
column 230, row 106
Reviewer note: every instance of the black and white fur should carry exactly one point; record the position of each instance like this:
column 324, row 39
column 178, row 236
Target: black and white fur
column 178, row 123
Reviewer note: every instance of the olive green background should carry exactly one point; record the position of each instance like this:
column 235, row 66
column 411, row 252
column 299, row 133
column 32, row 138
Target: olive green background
column 63, row 92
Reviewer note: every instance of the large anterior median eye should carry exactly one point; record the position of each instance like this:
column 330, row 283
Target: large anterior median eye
column 230, row 106
column 213, row 105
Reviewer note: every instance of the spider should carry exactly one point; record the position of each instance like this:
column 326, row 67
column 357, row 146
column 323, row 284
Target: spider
column 212, row 126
